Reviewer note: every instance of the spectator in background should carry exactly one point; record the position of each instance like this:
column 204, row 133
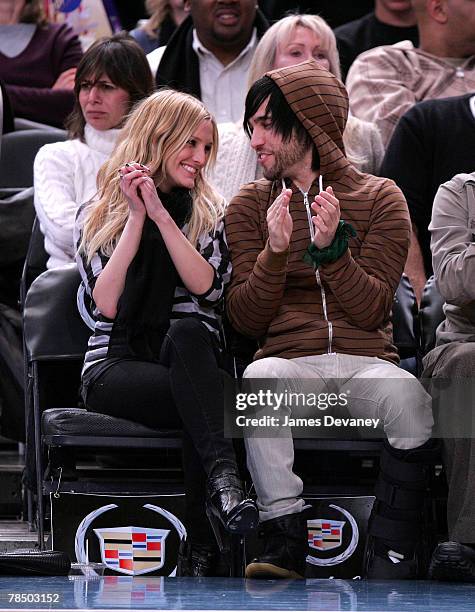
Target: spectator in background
column 453, row 359
column 386, row 82
column 165, row 17
column 130, row 12
column 38, row 62
column 335, row 13
column 390, row 22
column 432, row 142
column 112, row 76
column 290, row 41
column 210, row 53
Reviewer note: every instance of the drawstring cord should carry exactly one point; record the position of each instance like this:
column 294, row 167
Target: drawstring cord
column 311, row 228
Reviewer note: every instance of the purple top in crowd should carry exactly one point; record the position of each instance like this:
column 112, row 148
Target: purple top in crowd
column 30, row 75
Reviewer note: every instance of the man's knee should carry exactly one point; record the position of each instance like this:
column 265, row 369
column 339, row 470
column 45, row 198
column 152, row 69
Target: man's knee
column 269, row 367
column 408, row 416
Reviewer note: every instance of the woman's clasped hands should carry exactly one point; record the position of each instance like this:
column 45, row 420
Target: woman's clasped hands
column 140, row 191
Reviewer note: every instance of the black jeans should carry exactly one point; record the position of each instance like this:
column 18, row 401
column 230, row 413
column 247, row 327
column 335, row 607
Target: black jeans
column 184, row 390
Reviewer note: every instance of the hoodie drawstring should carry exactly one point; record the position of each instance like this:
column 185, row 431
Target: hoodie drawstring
column 311, row 228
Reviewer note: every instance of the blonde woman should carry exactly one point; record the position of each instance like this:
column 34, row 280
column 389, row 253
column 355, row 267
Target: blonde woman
column 165, row 17
column 154, row 262
column 292, row 40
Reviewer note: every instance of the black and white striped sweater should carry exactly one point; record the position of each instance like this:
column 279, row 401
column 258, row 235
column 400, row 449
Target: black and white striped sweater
column 207, row 307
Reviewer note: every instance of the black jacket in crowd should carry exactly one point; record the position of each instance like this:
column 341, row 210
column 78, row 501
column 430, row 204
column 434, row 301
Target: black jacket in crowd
column 432, row 142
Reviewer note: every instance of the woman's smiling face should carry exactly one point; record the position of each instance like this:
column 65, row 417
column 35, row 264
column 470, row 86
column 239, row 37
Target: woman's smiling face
column 184, row 166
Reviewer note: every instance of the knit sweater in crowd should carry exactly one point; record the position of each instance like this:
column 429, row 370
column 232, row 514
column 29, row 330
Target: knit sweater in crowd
column 30, row 75
column 385, row 82
column 236, row 162
column 64, row 178
column 275, row 297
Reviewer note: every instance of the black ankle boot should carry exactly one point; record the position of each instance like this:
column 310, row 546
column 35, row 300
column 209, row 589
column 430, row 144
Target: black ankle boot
column 453, row 562
column 285, row 548
column 227, row 501
column 201, row 561
column 397, row 519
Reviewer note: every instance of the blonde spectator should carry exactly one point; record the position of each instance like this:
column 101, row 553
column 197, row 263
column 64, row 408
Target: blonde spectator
column 165, row 17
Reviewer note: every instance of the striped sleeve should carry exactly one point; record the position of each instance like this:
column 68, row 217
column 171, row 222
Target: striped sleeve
column 259, row 275
column 214, row 248
column 89, row 271
column 365, row 286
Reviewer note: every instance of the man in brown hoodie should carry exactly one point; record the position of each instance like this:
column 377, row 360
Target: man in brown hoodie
column 314, row 276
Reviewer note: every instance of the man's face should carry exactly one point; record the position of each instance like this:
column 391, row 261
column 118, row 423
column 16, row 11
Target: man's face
column 277, row 157
column 222, row 21
column 461, row 21
column 396, row 6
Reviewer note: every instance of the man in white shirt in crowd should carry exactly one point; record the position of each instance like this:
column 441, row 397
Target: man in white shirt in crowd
column 210, row 53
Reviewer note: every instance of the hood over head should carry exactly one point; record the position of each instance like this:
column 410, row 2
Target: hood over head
column 320, row 102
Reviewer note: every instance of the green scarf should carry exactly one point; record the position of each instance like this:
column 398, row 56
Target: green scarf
column 316, row 257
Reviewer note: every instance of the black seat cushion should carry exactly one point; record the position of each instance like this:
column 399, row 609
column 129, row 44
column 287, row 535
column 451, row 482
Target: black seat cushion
column 80, row 422
column 404, row 315
column 431, row 315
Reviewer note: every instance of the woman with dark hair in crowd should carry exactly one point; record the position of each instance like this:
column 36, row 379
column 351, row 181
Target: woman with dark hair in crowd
column 37, row 61
column 165, row 17
column 154, row 261
column 112, row 76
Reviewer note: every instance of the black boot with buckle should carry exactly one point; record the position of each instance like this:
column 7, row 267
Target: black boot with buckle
column 227, row 502
column 285, row 548
column 397, row 519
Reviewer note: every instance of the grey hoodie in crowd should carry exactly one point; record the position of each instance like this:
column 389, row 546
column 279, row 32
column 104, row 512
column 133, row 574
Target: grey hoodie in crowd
column 453, row 256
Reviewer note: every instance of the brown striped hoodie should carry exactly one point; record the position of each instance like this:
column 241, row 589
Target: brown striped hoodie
column 276, row 297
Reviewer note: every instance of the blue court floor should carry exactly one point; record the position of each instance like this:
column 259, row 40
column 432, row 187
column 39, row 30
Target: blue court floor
column 158, row 593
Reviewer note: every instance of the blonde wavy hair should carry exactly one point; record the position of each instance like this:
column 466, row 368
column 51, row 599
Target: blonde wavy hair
column 280, row 33
column 157, row 129
column 158, row 10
